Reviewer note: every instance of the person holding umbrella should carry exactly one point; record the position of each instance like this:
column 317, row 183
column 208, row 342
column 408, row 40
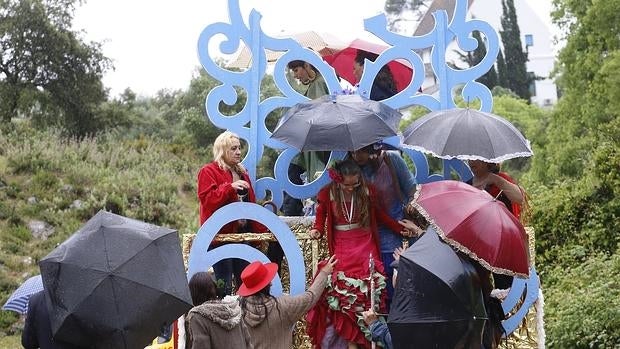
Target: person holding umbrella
column 500, row 185
column 487, row 176
column 493, row 329
column 269, row 319
column 347, row 215
column 221, row 182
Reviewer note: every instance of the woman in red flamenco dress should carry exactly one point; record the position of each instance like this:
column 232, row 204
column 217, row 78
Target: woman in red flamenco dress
column 347, row 216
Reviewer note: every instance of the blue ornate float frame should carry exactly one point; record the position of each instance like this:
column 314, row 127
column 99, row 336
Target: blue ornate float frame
column 250, row 124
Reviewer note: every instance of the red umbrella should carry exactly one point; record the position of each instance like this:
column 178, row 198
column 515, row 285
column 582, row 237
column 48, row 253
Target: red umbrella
column 475, row 223
column 343, row 63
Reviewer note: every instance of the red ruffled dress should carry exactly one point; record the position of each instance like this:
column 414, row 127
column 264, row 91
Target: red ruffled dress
column 346, row 296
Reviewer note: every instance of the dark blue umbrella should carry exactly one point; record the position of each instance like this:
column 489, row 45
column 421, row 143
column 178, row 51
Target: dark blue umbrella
column 18, row 301
column 438, row 300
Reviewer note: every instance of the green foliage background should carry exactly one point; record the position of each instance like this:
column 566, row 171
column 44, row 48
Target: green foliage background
column 142, row 161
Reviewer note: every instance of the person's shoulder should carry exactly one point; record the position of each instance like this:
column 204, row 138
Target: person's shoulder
column 394, row 155
column 506, row 176
column 210, row 166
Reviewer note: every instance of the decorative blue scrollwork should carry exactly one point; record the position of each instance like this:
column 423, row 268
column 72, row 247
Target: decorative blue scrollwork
column 250, row 124
column 526, row 289
column 199, row 256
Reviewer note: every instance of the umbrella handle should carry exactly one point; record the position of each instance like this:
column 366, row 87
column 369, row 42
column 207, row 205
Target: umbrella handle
column 498, row 194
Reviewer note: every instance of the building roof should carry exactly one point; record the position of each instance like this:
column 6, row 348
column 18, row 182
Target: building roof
column 428, row 22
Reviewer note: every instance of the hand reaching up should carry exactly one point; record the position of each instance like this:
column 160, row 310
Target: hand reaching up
column 328, row 268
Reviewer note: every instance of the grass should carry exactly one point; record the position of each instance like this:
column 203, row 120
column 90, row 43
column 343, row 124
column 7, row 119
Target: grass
column 65, row 182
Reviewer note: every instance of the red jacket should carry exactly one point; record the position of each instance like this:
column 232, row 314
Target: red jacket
column 324, row 217
column 215, row 191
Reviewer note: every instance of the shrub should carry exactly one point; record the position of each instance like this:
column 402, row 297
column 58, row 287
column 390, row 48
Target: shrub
column 582, row 307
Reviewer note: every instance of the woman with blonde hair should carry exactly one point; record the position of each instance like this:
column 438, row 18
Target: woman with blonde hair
column 221, row 182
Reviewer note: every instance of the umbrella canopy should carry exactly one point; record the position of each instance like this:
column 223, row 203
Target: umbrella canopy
column 115, row 283
column 322, row 43
column 343, row 60
column 466, row 134
column 475, row 223
column 18, row 301
column 437, row 296
column 337, row 122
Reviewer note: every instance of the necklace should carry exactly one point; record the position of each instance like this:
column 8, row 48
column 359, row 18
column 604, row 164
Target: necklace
column 348, row 215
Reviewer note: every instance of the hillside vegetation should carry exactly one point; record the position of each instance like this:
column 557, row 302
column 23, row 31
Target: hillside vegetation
column 62, row 182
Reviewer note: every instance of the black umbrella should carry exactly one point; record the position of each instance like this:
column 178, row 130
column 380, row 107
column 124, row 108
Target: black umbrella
column 337, row 122
column 115, row 283
column 437, row 300
column 466, row 134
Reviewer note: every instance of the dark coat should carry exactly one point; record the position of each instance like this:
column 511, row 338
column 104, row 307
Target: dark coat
column 37, row 330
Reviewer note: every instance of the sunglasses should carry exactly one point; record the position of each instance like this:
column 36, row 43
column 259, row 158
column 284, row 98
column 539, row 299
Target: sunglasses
column 354, row 185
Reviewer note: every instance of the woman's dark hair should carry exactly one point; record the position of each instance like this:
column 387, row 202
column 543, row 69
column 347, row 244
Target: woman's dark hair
column 202, row 288
column 493, row 167
column 299, row 63
column 385, row 78
column 259, row 299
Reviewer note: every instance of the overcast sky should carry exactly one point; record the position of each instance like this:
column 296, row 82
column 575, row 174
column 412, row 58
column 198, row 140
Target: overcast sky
column 153, row 42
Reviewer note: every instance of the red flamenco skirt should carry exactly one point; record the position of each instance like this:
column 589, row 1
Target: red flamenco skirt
column 347, row 292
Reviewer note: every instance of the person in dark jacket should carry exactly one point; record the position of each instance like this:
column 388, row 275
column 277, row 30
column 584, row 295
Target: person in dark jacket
column 38, row 329
column 383, row 87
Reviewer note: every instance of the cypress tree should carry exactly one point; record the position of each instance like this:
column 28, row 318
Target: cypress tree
column 515, row 58
column 501, row 70
column 490, row 78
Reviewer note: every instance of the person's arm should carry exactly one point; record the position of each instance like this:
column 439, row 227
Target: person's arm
column 300, row 304
column 507, row 186
column 318, row 230
column 385, row 218
column 379, row 331
column 213, row 190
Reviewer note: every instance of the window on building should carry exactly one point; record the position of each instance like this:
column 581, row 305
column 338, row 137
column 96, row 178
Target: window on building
column 529, row 40
column 531, row 76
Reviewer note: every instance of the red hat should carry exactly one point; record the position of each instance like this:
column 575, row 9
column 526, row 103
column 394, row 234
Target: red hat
column 256, row 276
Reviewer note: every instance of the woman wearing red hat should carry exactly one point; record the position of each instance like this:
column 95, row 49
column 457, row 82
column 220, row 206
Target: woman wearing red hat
column 269, row 319
column 347, row 214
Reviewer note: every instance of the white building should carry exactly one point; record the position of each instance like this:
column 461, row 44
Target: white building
column 536, row 38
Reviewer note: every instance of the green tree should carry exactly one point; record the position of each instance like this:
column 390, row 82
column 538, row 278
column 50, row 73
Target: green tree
column 501, row 70
column 516, row 72
column 46, row 68
column 575, row 180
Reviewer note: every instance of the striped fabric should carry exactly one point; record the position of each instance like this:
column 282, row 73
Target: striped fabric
column 18, row 301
